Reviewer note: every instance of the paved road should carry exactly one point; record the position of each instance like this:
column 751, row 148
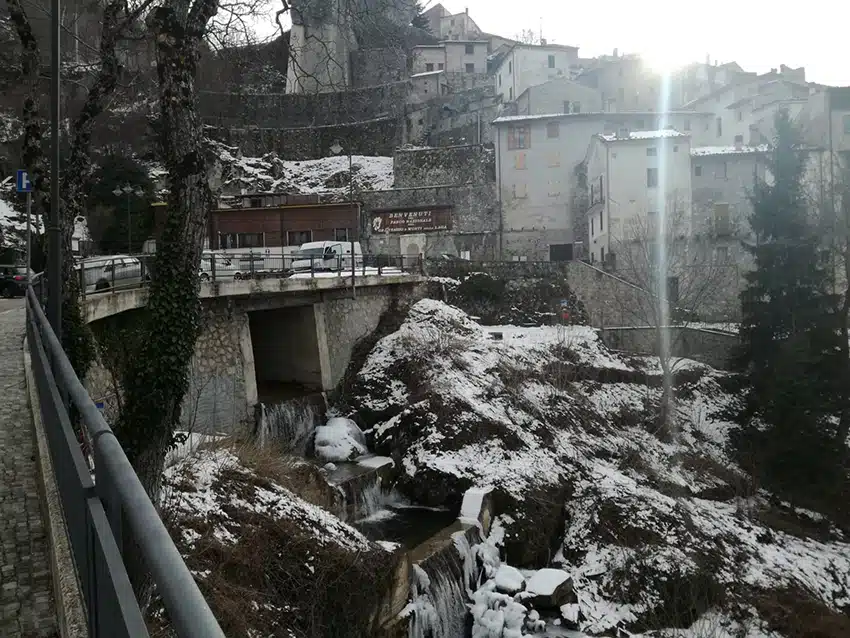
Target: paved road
column 10, row 304
column 26, row 596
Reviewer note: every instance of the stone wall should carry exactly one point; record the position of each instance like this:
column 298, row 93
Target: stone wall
column 475, row 220
column 712, row 347
column 279, row 110
column 447, row 165
column 376, row 67
column 376, row 137
column 222, row 383
column 347, row 321
column 609, row 300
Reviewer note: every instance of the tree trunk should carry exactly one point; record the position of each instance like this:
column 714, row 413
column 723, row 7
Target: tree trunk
column 160, row 378
column 32, row 155
column 76, row 337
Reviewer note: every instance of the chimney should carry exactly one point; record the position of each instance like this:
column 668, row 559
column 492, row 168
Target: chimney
column 467, row 10
column 543, row 42
column 616, row 51
column 707, row 59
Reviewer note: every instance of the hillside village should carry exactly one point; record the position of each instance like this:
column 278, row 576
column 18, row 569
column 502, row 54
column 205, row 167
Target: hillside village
column 531, row 152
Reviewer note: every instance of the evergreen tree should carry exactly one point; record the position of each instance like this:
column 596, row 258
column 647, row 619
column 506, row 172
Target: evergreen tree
column 420, row 21
column 790, row 334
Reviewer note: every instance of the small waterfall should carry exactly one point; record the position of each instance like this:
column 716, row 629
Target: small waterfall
column 290, row 424
column 440, row 591
column 371, row 500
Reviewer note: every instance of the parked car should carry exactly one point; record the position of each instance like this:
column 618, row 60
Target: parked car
column 13, row 280
column 326, row 256
column 102, row 273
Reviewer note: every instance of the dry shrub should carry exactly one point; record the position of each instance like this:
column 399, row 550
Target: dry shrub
column 795, row 614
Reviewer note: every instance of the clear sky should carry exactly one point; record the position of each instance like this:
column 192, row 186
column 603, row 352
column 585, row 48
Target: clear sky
column 757, row 34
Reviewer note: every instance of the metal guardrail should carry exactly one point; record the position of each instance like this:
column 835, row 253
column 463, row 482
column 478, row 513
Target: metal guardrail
column 122, row 273
column 105, row 507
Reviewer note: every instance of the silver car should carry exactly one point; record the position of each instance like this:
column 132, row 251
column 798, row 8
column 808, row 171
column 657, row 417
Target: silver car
column 113, row 272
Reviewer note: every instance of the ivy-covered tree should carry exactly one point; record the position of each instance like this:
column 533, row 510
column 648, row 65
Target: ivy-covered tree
column 790, row 333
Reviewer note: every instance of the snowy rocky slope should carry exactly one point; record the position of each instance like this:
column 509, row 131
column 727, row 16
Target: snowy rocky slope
column 654, row 529
column 271, row 559
column 271, row 174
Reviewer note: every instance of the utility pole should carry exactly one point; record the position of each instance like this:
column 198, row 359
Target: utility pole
column 54, row 232
column 336, row 149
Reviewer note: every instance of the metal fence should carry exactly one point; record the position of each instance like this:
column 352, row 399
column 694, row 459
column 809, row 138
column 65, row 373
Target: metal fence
column 110, row 274
column 106, row 505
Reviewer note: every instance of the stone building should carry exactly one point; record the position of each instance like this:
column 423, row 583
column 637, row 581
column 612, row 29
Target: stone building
column 525, row 65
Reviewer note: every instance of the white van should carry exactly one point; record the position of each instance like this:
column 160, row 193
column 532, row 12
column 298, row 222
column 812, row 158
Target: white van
column 319, row 256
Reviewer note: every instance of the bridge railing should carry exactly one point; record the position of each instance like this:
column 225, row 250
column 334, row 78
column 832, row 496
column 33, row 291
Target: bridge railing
column 112, row 274
column 107, row 505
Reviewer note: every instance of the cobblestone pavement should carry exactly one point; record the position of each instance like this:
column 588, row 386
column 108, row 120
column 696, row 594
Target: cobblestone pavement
column 26, row 594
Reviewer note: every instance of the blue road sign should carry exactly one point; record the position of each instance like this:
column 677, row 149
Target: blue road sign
column 22, row 182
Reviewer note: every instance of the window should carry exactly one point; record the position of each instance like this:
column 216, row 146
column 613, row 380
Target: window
column 500, row 81
column 687, row 125
column 740, row 115
column 249, row 240
column 641, row 125
column 519, row 161
column 721, row 219
column 553, row 129
column 697, row 171
column 602, row 254
column 511, row 94
column 551, row 61
column 298, row 237
column 592, row 226
column 601, row 222
column 510, row 67
column 341, row 234
column 429, row 66
column 518, row 137
column 452, row 22
column 846, row 120
column 739, row 140
column 576, row 107
column 440, row 66
column 673, row 290
column 621, row 93
column 566, row 106
column 722, row 171
column 651, row 151
column 675, row 148
column 651, row 177
column 470, row 49
column 470, row 68
column 719, row 127
column 722, row 254
column 256, row 202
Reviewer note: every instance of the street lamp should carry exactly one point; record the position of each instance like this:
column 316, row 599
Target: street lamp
column 336, row 149
column 128, row 190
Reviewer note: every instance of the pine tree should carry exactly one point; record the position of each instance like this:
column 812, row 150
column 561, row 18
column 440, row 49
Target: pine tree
column 420, row 20
column 790, row 333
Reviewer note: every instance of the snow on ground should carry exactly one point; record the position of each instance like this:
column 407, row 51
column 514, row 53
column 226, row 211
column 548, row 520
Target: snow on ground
column 551, row 406
column 195, row 492
column 326, row 175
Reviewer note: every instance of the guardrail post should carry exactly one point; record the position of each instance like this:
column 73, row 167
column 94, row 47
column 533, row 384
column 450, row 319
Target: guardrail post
column 113, row 276
column 81, row 277
column 212, row 266
column 312, row 265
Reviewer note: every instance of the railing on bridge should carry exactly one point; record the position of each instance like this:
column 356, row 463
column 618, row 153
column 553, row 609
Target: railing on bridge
column 107, row 274
column 106, row 505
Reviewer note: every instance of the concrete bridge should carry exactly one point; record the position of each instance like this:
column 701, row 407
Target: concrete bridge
column 262, row 340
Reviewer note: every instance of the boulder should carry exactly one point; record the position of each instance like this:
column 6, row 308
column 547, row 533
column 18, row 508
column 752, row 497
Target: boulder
column 340, row 440
column 509, row 580
column 548, row 589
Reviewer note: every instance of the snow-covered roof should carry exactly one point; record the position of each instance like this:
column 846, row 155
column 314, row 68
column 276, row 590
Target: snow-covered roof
column 426, row 74
column 642, row 135
column 509, row 119
column 702, row 151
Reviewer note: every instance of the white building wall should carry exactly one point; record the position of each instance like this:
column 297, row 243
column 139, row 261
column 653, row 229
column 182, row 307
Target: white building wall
column 425, row 55
column 458, row 56
column 627, row 194
column 527, row 66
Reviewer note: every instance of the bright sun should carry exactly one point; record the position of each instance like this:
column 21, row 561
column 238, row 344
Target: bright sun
column 663, row 61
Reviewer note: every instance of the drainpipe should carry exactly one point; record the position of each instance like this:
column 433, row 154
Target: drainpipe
column 499, row 187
